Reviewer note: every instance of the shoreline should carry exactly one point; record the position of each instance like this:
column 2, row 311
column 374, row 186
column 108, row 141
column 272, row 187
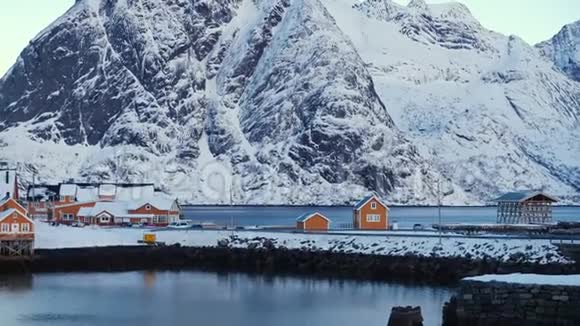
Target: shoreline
column 346, row 206
column 269, row 261
column 333, row 206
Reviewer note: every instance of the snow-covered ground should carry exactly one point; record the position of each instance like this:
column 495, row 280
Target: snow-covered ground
column 518, row 278
column 505, row 250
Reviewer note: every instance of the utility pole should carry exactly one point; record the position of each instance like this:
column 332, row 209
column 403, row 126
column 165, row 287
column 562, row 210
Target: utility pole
column 231, row 208
column 439, row 207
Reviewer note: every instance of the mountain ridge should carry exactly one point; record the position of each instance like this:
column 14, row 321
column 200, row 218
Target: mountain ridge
column 284, row 102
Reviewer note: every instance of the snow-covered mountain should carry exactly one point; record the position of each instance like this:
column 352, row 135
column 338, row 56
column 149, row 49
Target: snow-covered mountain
column 290, row 101
column 564, row 50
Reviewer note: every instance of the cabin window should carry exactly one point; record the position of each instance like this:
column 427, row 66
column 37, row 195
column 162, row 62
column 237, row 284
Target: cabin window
column 373, row 205
column 25, row 227
column 148, row 207
column 5, row 228
column 105, row 219
column 373, row 218
column 68, row 217
column 161, row 219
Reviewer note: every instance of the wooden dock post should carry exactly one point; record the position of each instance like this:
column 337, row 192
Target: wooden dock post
column 16, row 248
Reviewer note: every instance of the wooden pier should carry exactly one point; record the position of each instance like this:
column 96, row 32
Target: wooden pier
column 16, row 245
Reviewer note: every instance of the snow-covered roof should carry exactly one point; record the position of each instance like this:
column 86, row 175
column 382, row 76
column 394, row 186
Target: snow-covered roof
column 76, row 203
column 121, row 192
column 85, row 211
column 69, row 190
column 159, row 200
column 306, row 216
column 530, row 279
column 366, row 199
column 135, row 192
column 8, row 181
column 107, row 190
column 7, row 213
column 4, row 199
column 521, row 196
column 114, row 208
column 87, row 193
column 122, row 208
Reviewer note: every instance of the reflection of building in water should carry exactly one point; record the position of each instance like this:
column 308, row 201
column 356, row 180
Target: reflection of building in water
column 18, row 283
column 149, row 278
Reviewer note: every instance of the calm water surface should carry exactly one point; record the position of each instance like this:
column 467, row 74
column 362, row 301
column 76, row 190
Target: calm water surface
column 206, row 299
column 405, row 216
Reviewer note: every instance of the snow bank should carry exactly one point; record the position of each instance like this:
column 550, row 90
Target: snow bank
column 504, row 250
column 54, row 237
column 518, row 278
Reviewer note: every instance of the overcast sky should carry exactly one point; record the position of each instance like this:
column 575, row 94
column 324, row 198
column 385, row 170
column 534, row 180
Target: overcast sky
column 533, row 20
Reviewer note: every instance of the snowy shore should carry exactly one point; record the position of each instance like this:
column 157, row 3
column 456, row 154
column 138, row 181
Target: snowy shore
column 534, row 251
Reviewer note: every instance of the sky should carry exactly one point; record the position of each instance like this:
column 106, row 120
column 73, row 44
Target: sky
column 532, row 20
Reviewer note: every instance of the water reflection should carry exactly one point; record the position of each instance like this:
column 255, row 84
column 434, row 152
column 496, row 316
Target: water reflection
column 191, row 298
column 149, row 279
column 19, row 283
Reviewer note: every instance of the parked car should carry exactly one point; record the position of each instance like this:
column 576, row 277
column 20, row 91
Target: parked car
column 180, row 225
column 418, row 227
column 78, row 225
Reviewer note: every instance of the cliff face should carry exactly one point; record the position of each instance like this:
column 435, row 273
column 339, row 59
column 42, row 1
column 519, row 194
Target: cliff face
column 491, row 111
column 288, row 102
column 564, row 50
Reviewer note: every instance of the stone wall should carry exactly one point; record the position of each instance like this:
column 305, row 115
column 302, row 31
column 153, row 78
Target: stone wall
column 496, row 303
column 270, row 260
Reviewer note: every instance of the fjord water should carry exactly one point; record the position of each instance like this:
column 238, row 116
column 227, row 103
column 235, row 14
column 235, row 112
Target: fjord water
column 196, row 298
column 405, row 216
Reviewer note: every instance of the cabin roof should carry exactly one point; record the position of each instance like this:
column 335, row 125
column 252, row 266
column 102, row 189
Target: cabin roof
column 4, row 200
column 306, row 216
column 9, row 212
column 113, row 208
column 122, row 208
column 7, row 199
column 158, row 200
column 521, row 196
column 366, row 199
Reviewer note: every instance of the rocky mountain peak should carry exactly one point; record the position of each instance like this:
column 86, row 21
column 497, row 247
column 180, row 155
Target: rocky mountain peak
column 270, row 93
column 289, row 102
column 564, row 50
column 418, row 5
column 448, row 25
column 380, row 9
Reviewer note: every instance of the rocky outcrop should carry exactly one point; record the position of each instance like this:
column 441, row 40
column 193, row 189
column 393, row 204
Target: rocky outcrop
column 479, row 102
column 564, row 50
column 269, row 97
